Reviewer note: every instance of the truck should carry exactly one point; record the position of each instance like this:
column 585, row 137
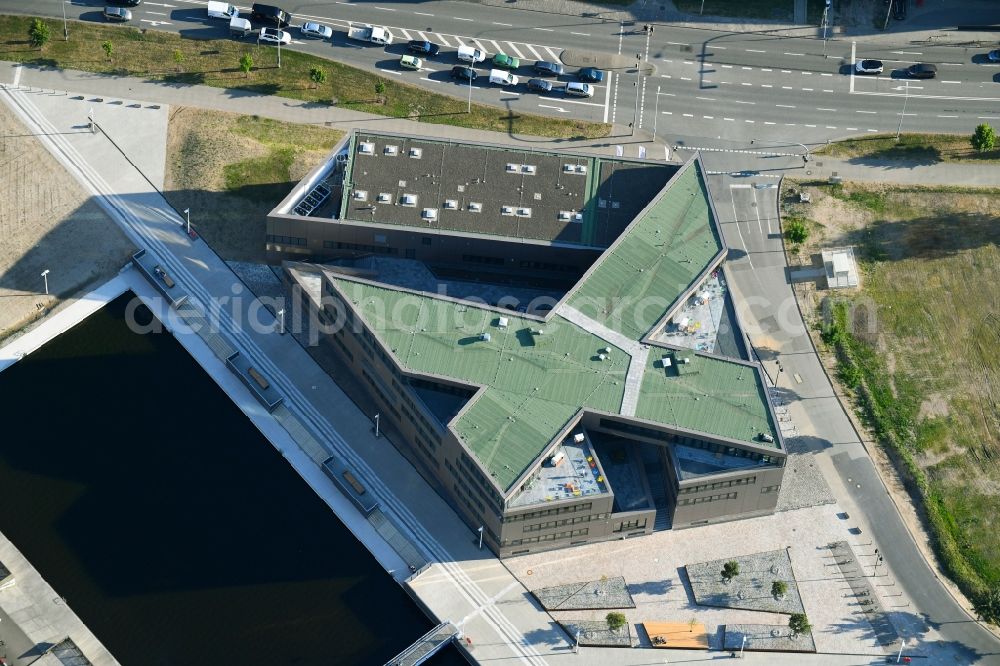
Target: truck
column 362, row 32
column 500, row 77
column 222, row 10
column 239, row 27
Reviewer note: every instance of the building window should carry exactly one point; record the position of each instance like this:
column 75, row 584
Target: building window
column 426, row 240
column 769, row 489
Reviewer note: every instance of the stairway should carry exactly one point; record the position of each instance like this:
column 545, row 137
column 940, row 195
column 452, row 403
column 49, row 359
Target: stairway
column 653, row 466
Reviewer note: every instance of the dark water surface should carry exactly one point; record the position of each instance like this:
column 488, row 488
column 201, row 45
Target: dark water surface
column 172, row 527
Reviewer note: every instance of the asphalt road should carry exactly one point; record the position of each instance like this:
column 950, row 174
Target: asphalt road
column 720, row 86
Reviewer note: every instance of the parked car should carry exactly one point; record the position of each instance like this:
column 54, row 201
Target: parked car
column 423, row 47
column 575, row 89
column 994, row 55
column 274, row 36
column 463, row 72
column 124, row 3
column 590, row 75
column 318, row 30
column 222, row 10
column 546, row 68
column 504, row 61
column 539, row 85
column 922, row 70
column 117, row 14
column 410, row 62
column 899, row 9
column 868, row 67
column 270, row 14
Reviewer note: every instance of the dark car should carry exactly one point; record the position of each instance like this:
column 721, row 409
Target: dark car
column 539, row 85
column 423, row 47
column 124, row 3
column 899, row 9
column 546, row 68
column 922, row 70
column 994, row 55
column 117, row 14
column 270, row 14
column 590, row 75
column 463, row 72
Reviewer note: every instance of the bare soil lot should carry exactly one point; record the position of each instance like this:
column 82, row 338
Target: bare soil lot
column 47, row 222
column 917, row 348
column 231, row 169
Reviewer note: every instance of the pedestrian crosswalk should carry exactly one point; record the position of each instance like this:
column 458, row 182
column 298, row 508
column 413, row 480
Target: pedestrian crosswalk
column 520, row 50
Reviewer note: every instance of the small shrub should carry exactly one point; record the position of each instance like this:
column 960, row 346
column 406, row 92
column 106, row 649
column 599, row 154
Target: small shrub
column 799, row 624
column 246, row 64
column 987, row 605
column 108, row 48
column 730, row 570
column 39, row 33
column 317, row 75
column 380, row 90
column 779, row 588
column 984, row 138
column 796, row 231
column 615, row 620
column 178, row 56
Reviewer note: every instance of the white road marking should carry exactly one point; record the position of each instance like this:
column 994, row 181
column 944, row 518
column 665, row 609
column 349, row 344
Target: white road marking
column 706, row 99
column 667, row 113
column 747, row 68
column 830, row 127
column 157, row 13
column 496, row 47
column 739, row 186
column 480, row 46
column 727, row 67
column 17, row 74
column 854, row 46
column 806, row 73
column 851, row 129
column 822, row 109
column 793, row 54
column 786, row 71
column 721, row 48
column 744, row 83
column 951, row 82
column 423, row 36
column 581, row 34
column 729, row 119
column 685, row 78
column 768, row 122
column 766, row 85
column 687, row 115
column 607, row 97
column 825, row 74
column 557, row 108
column 677, row 43
column 786, row 87
column 406, row 35
column 506, row 25
column 755, row 51
column 709, row 117
column 988, row 117
column 155, row 23
column 417, row 13
column 763, row 69
column 947, row 116
column 807, row 89
column 871, row 130
column 907, row 52
column 749, row 121
column 458, row 18
column 871, row 112
column 741, row 102
column 444, row 42
column 785, row 106
column 810, row 125
column 520, row 56
column 544, row 29
column 555, row 56
column 533, row 52
column 388, row 71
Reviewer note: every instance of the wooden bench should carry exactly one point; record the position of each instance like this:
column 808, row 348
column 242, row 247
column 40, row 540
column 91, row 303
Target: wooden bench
column 259, row 378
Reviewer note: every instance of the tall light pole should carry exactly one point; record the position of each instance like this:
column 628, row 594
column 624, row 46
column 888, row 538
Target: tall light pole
column 187, row 215
column 887, row 13
column 281, row 321
column 656, row 112
column 826, row 11
column 45, row 276
column 65, row 24
column 906, row 98
column 743, row 645
column 376, row 426
column 902, row 644
column 481, row 527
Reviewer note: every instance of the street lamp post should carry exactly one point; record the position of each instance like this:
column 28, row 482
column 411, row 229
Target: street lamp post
column 902, row 644
column 480, row 530
column 656, row 111
column 743, row 645
column 906, row 98
column 376, row 426
column 187, row 215
column 45, row 276
column 576, row 646
column 887, row 13
column 65, row 24
column 281, row 321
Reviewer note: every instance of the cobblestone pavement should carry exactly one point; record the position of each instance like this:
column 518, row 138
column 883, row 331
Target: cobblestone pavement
column 768, row 637
column 653, row 569
column 597, row 633
column 603, row 594
column 751, row 589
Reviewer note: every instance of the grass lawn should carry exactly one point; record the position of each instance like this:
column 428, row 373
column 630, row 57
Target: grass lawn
column 167, row 57
column 922, row 148
column 919, row 349
column 230, row 170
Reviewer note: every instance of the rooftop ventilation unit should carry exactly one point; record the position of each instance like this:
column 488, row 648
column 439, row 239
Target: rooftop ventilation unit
column 485, row 337
column 524, row 212
column 366, row 148
column 581, row 169
column 384, row 197
column 360, row 195
column 578, row 218
column 408, row 200
column 475, row 207
column 429, row 214
column 529, row 169
column 513, row 168
column 507, row 210
column 391, row 150
column 579, row 438
column 416, row 153
column 451, row 204
column 502, row 322
column 565, row 215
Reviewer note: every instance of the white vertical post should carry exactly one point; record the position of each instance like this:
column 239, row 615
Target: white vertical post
column 281, row 321
column 45, row 276
column 743, row 645
column 481, row 537
column 376, row 426
column 469, row 110
column 656, row 111
column 906, row 98
column 902, row 644
column 187, row 214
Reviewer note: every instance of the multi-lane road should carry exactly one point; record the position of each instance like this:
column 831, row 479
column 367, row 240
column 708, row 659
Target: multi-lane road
column 691, row 83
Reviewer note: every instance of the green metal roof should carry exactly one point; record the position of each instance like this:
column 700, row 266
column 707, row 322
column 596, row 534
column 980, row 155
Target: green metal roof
column 534, row 382
column 707, row 394
column 639, row 277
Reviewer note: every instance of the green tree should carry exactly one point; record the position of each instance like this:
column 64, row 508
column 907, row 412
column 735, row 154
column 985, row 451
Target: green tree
column 984, row 138
column 318, row 76
column 799, row 624
column 730, row 570
column 380, row 89
column 615, row 620
column 779, row 588
column 796, row 231
column 109, row 48
column 39, row 33
column 987, row 605
column 246, row 64
column 178, row 56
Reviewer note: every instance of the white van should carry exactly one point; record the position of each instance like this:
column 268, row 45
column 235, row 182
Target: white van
column 470, row 54
column 222, row 10
column 503, row 78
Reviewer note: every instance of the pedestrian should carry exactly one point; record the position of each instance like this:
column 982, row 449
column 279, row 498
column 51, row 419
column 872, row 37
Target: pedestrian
column 645, row 28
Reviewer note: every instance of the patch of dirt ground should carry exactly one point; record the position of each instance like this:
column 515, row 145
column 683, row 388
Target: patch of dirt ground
column 201, row 144
column 47, row 222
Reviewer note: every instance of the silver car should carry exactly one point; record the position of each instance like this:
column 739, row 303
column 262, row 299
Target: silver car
column 275, row 36
column 317, row 30
column 117, row 14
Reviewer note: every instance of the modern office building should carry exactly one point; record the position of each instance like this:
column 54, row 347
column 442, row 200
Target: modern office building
column 548, row 427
